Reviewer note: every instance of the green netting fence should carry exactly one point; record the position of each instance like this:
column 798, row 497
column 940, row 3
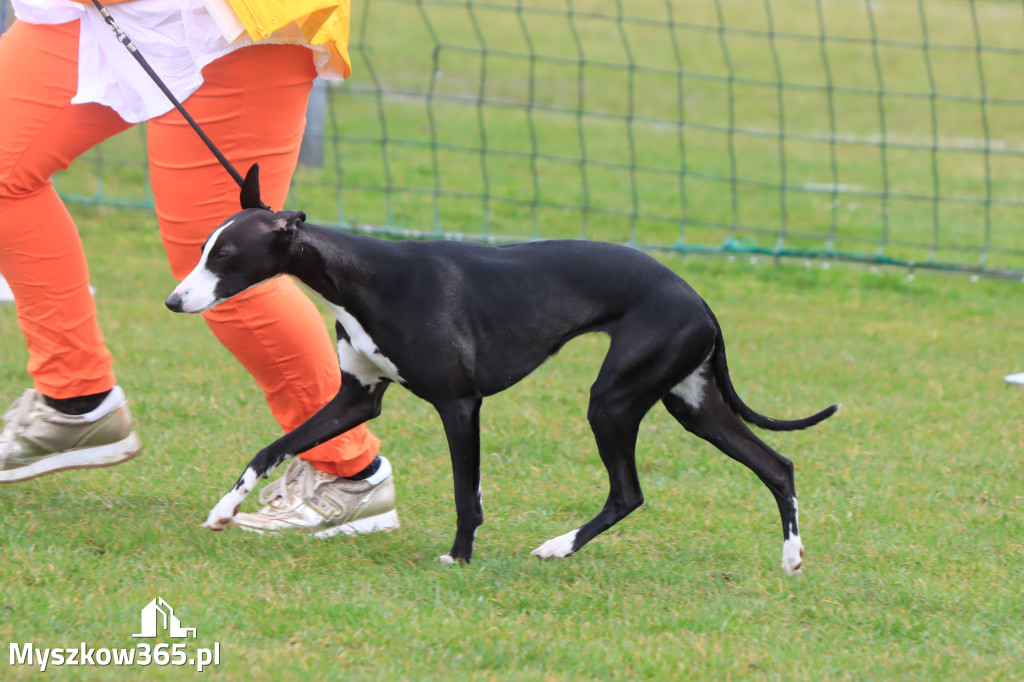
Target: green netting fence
column 884, row 132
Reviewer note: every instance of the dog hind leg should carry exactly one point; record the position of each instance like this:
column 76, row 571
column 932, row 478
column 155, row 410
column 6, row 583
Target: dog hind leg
column 353, row 405
column 615, row 431
column 632, row 378
column 710, row 418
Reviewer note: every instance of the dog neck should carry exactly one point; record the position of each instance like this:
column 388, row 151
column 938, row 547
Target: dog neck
column 330, row 262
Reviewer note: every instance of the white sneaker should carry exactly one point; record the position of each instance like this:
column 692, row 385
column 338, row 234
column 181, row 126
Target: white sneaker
column 324, row 504
column 38, row 440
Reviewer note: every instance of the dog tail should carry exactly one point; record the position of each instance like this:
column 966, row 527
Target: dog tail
column 721, row 369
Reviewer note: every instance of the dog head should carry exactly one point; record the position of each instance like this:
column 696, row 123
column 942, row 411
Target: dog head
column 247, row 249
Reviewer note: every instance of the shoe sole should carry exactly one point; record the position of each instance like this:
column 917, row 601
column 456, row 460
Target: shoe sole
column 371, row 524
column 86, row 458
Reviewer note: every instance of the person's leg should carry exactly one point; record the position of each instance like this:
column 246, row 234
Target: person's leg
column 42, row 259
column 41, row 254
column 252, row 105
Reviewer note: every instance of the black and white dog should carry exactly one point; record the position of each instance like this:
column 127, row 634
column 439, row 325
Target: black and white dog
column 455, row 322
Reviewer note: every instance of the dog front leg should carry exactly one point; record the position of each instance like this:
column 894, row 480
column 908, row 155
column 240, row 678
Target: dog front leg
column 461, row 421
column 353, row 405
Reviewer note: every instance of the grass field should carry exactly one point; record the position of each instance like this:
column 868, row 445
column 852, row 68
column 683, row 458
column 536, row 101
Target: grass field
column 912, row 501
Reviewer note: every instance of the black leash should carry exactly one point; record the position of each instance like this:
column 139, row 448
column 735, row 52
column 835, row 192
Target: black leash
column 125, row 40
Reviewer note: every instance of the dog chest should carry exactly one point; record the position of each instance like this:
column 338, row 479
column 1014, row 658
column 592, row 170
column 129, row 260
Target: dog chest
column 358, row 354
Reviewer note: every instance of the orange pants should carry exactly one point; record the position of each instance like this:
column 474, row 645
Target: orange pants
column 252, row 104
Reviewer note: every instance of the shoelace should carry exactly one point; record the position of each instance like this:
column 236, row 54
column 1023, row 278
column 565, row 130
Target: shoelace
column 299, row 471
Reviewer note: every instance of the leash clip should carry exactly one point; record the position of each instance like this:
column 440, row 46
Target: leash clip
column 122, row 37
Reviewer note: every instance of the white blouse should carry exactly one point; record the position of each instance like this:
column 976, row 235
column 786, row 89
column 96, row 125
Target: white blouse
column 177, row 37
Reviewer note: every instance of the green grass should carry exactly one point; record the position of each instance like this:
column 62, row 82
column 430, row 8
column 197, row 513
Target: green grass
column 912, row 498
column 912, row 501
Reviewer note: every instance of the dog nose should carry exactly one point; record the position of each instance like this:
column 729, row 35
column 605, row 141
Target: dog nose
column 173, row 302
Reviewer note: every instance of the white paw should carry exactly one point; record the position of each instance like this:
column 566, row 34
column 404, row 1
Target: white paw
column 792, row 555
column 219, row 524
column 220, row 516
column 557, row 548
column 447, row 560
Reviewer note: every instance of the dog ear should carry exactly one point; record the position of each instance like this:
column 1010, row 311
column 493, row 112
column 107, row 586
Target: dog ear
column 288, row 221
column 250, row 194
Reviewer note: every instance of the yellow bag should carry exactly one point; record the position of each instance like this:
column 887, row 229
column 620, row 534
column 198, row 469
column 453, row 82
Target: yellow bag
column 323, row 22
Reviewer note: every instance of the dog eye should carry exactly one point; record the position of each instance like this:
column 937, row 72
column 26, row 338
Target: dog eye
column 222, row 254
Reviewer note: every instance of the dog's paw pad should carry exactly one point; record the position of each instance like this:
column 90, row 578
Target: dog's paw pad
column 217, row 524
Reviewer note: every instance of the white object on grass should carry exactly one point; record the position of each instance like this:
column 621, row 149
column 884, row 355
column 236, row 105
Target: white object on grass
column 1017, row 378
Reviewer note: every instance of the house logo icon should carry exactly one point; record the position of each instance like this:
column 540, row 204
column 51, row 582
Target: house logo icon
column 157, row 615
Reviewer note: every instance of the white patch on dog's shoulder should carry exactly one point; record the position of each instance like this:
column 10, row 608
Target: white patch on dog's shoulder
column 691, row 389
column 358, row 365
column 359, row 355
column 556, row 548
